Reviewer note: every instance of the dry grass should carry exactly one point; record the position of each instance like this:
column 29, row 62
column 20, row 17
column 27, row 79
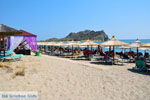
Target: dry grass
column 4, row 65
column 19, row 72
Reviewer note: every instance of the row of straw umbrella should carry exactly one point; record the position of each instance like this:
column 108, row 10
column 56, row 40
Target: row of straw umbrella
column 112, row 43
column 72, row 43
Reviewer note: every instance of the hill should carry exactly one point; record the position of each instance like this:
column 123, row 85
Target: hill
column 84, row 35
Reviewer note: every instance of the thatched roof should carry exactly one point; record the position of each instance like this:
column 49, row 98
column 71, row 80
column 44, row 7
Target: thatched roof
column 136, row 44
column 25, row 33
column 6, row 30
column 89, row 43
column 113, row 42
column 73, row 43
column 145, row 45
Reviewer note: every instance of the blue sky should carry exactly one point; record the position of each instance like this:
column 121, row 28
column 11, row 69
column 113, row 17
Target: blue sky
column 126, row 19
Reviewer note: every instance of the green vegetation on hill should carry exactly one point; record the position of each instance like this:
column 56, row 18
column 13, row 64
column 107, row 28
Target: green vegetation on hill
column 83, row 35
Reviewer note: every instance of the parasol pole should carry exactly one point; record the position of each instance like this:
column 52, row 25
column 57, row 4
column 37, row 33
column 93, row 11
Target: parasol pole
column 72, row 49
column 91, row 47
column 109, row 48
column 137, row 52
column 114, row 53
column 3, row 44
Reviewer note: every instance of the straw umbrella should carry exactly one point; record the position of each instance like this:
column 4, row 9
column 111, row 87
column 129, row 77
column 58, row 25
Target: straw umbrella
column 6, row 31
column 125, row 47
column 50, row 44
column 89, row 43
column 136, row 44
column 113, row 42
column 73, row 43
column 59, row 44
column 145, row 45
column 145, row 49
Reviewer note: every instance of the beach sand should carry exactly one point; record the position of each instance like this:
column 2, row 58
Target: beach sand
column 64, row 79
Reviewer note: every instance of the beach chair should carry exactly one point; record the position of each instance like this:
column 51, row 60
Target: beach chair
column 10, row 55
column 7, row 52
column 140, row 65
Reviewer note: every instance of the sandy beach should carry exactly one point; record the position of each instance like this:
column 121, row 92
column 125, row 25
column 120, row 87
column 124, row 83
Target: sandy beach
column 64, row 79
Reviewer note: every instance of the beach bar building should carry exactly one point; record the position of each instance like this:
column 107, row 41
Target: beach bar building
column 22, row 42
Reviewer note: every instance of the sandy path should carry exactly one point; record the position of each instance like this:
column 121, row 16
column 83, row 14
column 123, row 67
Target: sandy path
column 62, row 79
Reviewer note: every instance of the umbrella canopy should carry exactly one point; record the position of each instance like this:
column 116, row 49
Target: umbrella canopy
column 73, row 43
column 4, row 32
column 60, row 44
column 89, row 43
column 136, row 44
column 145, row 49
column 41, row 43
column 46, row 43
column 145, row 45
column 113, row 42
column 125, row 47
column 50, row 43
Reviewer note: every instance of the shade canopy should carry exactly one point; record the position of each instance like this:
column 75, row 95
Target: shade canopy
column 89, row 43
column 145, row 45
column 73, row 43
column 136, row 44
column 7, row 31
column 40, row 43
column 60, row 44
column 125, row 47
column 25, row 33
column 146, row 49
column 46, row 43
column 113, row 42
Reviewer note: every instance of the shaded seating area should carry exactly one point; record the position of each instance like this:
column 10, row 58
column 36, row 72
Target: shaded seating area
column 15, row 43
column 110, row 56
column 22, row 43
column 5, row 32
column 92, row 51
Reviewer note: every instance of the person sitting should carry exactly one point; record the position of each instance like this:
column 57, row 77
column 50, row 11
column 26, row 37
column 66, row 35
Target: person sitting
column 146, row 55
column 85, row 52
column 111, row 53
column 91, row 52
column 100, row 51
column 95, row 52
column 106, row 57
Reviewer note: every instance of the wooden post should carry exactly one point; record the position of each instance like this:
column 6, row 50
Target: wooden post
column 137, row 52
column 109, row 48
column 45, row 48
column 3, row 44
column 91, row 47
column 114, row 53
column 72, row 49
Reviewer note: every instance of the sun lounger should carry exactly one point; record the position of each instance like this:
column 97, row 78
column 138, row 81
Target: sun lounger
column 140, row 65
column 10, row 55
column 13, row 57
column 8, row 52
